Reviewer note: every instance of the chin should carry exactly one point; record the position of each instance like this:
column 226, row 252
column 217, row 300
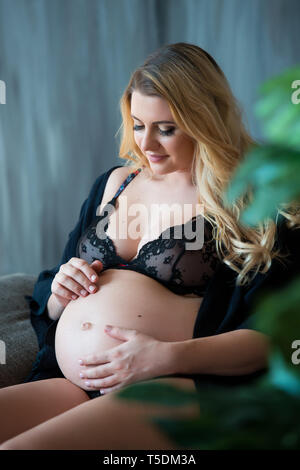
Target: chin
column 163, row 167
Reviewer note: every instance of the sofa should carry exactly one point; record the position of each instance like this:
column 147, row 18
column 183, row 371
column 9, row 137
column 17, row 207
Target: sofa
column 18, row 343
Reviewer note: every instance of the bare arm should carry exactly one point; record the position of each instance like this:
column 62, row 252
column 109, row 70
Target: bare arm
column 234, row 353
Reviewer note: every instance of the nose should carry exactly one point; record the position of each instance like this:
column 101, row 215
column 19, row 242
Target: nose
column 149, row 142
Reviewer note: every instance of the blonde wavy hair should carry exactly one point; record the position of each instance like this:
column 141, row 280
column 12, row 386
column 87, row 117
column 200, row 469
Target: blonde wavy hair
column 203, row 106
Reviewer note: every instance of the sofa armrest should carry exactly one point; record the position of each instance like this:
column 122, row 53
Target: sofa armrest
column 18, row 343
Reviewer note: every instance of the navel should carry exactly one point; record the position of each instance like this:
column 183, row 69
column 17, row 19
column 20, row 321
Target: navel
column 86, row 325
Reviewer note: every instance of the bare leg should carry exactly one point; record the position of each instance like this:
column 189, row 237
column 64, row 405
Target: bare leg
column 105, row 423
column 27, row 405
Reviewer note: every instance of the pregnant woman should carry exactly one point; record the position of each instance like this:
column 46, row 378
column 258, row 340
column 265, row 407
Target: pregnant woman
column 160, row 271
column 148, row 276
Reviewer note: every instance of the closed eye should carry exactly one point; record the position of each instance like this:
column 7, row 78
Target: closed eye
column 165, row 133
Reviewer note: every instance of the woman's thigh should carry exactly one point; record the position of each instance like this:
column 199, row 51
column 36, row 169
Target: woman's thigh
column 106, row 422
column 26, row 405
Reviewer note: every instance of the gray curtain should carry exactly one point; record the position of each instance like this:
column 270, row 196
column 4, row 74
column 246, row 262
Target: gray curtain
column 65, row 64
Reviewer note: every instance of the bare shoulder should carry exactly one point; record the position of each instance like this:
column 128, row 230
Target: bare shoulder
column 115, row 179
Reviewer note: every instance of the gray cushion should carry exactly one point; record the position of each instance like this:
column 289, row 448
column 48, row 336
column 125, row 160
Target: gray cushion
column 18, row 343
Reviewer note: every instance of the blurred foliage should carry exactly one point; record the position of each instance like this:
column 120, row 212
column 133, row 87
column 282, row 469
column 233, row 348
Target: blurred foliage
column 277, row 108
column 247, row 417
column 264, row 415
column 272, row 170
column 277, row 315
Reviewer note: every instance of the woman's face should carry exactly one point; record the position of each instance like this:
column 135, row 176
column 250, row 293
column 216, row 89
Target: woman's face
column 155, row 137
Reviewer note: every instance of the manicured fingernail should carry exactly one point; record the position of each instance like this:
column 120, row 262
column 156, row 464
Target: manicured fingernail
column 80, row 361
column 88, row 384
column 93, row 278
column 81, row 375
column 92, row 288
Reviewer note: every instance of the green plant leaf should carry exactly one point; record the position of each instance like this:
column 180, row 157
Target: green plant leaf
column 238, row 418
column 276, row 109
column 163, row 394
column 282, row 376
column 277, row 314
column 272, row 172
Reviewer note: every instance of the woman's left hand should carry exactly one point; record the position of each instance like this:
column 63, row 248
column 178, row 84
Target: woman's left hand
column 139, row 357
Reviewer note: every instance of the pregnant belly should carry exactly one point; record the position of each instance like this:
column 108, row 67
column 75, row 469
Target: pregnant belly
column 127, row 299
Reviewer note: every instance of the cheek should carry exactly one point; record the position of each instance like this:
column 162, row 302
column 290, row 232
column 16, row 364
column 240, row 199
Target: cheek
column 176, row 147
column 172, row 145
column 186, row 147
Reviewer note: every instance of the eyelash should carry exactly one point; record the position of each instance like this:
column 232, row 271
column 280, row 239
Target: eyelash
column 164, row 133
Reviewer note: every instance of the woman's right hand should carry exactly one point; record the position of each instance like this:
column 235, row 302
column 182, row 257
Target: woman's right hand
column 74, row 279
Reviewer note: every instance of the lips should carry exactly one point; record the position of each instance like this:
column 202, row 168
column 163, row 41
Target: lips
column 156, row 158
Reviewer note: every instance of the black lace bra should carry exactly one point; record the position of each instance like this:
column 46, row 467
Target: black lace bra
column 166, row 259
